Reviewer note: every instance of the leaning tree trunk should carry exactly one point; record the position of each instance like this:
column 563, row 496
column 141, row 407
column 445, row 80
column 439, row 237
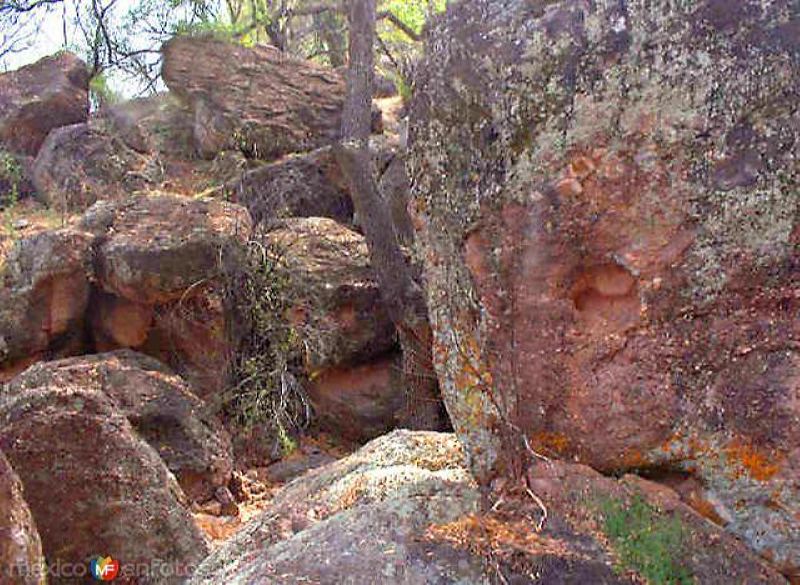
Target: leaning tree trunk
column 402, row 296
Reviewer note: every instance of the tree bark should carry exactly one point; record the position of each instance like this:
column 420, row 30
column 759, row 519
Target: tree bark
column 402, row 296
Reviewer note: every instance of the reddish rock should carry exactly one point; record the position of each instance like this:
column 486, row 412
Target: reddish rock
column 335, row 298
column 607, row 202
column 21, row 560
column 80, row 164
column 253, row 98
column 191, row 336
column 360, row 402
column 159, row 405
column 44, row 294
column 93, row 486
column 37, row 98
column 162, row 248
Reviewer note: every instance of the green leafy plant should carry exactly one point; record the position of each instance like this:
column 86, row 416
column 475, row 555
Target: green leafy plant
column 646, row 541
column 10, row 178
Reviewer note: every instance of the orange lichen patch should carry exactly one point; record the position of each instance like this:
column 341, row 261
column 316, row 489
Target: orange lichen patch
column 759, row 465
column 555, row 443
column 351, row 494
column 634, row 458
column 491, row 535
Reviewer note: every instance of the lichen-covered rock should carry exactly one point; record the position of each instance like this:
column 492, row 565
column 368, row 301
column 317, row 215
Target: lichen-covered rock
column 44, row 294
column 35, row 99
column 80, row 164
column 253, row 98
column 306, row 185
column 94, row 486
column 161, row 248
column 21, row 560
column 404, row 509
column 159, row 405
column 359, row 521
column 608, row 200
column 336, row 304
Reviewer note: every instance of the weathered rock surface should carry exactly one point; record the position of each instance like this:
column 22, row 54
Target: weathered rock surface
column 608, row 200
column 253, row 98
column 358, row 520
column 156, row 249
column 404, row 509
column 158, row 260
column 21, row 560
column 307, row 185
column 363, row 401
column 93, row 485
column 158, row 123
column 35, row 99
column 44, row 294
column 80, row 164
column 159, row 405
column 337, row 305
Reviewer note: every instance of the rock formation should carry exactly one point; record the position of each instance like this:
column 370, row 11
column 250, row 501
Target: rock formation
column 403, row 509
column 160, row 407
column 21, row 560
column 94, row 486
column 609, row 210
column 35, row 99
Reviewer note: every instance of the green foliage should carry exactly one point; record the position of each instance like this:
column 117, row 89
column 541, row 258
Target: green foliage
column 413, row 13
column 101, row 91
column 10, row 178
column 266, row 372
column 645, row 541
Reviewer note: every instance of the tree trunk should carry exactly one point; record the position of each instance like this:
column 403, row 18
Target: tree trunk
column 402, row 296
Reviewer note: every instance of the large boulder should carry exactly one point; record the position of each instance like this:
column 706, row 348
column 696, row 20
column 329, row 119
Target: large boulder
column 83, row 163
column 160, row 248
column 159, row 259
column 404, row 509
column 256, row 99
column 35, row 99
column 607, row 195
column 303, row 185
column 335, row 300
column 94, row 486
column 21, row 560
column 159, row 405
column 43, row 298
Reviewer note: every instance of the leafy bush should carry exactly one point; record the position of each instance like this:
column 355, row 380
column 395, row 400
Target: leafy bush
column 645, row 541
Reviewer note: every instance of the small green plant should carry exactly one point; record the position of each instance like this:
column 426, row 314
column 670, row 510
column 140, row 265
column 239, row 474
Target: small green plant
column 646, row 541
column 10, row 179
